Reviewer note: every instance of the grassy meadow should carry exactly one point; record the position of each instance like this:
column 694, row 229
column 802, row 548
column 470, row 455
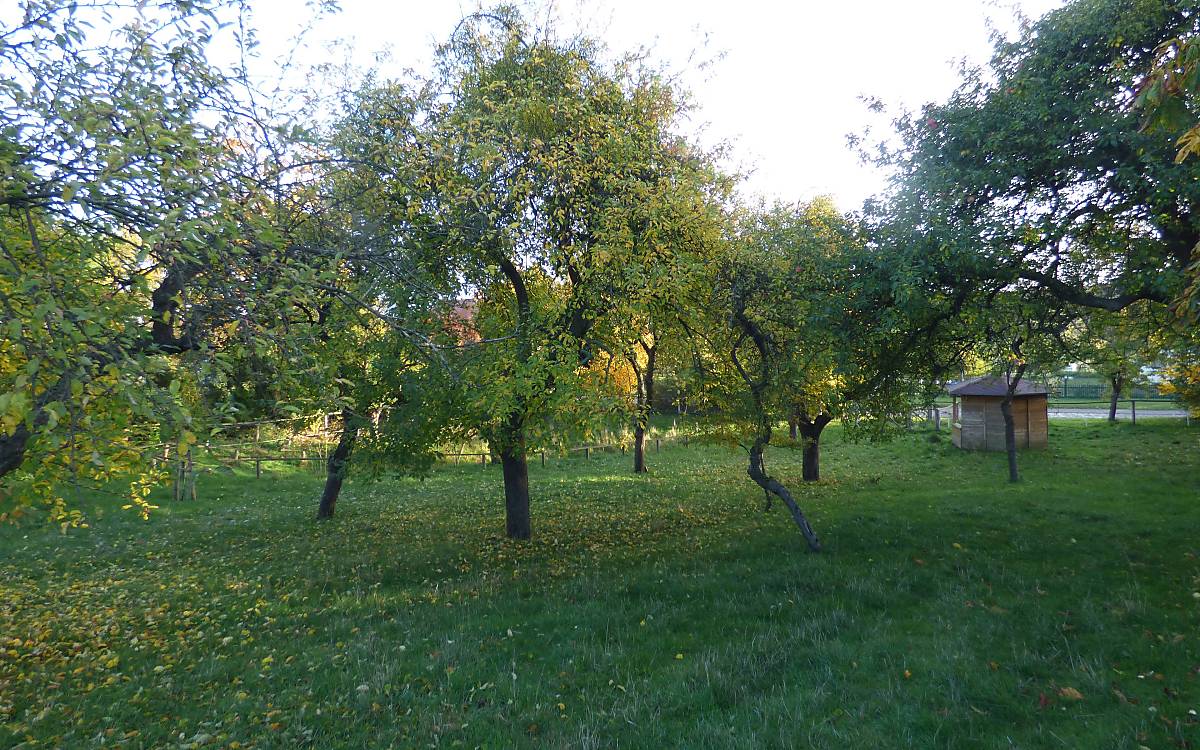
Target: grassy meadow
column 950, row 609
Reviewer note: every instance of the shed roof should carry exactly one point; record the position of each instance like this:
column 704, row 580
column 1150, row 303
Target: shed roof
column 992, row 385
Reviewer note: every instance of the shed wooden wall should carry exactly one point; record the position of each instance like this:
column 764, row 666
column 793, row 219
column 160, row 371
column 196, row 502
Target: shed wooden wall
column 1039, row 431
column 980, row 424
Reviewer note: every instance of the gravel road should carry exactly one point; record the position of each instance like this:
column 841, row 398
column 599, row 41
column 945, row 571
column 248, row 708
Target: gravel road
column 1122, row 414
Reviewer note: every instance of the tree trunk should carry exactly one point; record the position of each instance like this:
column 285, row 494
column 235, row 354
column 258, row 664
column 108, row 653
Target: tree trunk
column 1117, row 382
column 812, row 458
column 639, row 446
column 337, row 465
column 757, row 387
column 1010, row 428
column 13, row 447
column 793, row 426
column 810, row 431
column 771, row 485
column 1010, row 438
column 644, row 402
column 516, row 491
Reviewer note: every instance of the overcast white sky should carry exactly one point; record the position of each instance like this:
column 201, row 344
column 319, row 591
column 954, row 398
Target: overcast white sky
column 786, row 91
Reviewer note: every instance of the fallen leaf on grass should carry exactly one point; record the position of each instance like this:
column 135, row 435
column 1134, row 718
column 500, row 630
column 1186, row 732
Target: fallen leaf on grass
column 1070, row 693
column 1122, row 697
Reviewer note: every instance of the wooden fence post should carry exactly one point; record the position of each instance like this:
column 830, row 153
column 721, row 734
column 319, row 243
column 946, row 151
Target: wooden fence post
column 543, row 459
column 1133, row 411
column 587, row 452
column 257, row 468
column 657, row 445
column 191, row 467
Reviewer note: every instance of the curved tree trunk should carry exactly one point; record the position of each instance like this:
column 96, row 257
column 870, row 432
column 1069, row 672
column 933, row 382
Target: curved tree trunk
column 757, row 386
column 337, row 465
column 772, row 486
column 1117, row 382
column 511, row 445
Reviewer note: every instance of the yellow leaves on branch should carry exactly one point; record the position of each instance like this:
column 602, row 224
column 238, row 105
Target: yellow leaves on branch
column 1189, row 144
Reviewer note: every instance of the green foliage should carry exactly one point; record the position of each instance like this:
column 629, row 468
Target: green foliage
column 550, row 189
column 1168, row 95
column 1169, row 91
column 1182, row 371
column 1036, row 170
column 112, row 193
column 803, row 318
column 142, row 227
column 1118, row 345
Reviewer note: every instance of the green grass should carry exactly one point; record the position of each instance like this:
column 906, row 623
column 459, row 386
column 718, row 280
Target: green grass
column 949, row 610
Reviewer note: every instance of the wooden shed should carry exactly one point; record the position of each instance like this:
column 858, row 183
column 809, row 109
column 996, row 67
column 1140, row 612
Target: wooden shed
column 978, row 423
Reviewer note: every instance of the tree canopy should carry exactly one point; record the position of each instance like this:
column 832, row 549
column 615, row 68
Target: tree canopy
column 1037, row 170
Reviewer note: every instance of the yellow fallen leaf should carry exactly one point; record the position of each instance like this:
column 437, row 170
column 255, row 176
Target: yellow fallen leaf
column 1070, row 693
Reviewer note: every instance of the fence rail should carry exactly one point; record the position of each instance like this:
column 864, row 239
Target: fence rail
column 1102, row 391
